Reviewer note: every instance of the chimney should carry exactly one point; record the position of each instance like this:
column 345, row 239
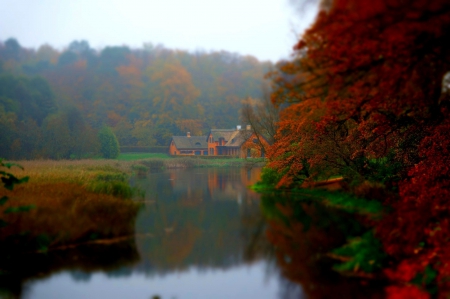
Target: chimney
column 249, row 127
column 238, row 128
column 188, row 134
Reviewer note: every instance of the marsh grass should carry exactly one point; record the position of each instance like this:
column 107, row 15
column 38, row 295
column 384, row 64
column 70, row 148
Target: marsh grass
column 140, row 156
column 75, row 201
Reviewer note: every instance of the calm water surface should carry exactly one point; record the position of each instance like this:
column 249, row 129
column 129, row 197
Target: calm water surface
column 200, row 235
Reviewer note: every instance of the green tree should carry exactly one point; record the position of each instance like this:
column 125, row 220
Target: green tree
column 109, row 146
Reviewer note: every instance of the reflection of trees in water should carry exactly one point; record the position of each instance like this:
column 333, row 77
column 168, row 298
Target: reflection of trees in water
column 207, row 220
column 80, row 276
column 303, row 233
column 215, row 235
column 256, row 245
column 80, row 261
column 222, row 230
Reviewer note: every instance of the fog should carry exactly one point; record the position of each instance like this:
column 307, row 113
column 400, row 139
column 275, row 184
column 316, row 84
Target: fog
column 264, row 29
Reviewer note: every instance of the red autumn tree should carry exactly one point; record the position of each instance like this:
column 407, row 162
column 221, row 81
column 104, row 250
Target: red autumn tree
column 376, row 72
column 378, row 69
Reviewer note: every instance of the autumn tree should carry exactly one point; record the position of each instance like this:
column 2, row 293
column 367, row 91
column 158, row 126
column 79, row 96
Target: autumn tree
column 262, row 115
column 375, row 74
column 377, row 97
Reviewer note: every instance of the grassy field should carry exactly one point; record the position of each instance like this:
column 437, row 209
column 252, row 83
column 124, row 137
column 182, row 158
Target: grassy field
column 141, row 156
column 72, row 202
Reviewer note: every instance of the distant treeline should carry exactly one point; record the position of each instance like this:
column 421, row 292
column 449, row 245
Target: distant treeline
column 53, row 103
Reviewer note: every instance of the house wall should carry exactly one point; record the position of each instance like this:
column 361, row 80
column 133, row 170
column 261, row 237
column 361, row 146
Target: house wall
column 173, row 149
column 192, row 152
column 212, row 146
column 247, row 149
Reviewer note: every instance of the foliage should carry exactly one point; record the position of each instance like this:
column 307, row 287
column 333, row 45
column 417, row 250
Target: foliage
column 114, row 183
column 372, row 105
column 262, row 116
column 144, row 95
column 140, row 170
column 33, row 126
column 9, row 180
column 365, row 99
column 269, row 178
column 66, row 135
column 345, row 201
column 115, row 188
column 365, row 254
column 109, row 146
column 27, row 97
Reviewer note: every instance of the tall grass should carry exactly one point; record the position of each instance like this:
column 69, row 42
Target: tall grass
column 140, row 156
column 75, row 201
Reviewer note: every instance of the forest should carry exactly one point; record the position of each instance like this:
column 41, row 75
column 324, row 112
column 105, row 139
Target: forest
column 53, row 104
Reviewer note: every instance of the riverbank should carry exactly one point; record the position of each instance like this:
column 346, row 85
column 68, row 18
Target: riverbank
column 363, row 219
column 199, row 162
column 163, row 161
column 69, row 202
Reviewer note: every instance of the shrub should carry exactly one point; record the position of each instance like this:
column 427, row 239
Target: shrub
column 109, row 146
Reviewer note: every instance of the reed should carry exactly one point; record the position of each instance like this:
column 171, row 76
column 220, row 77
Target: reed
column 74, row 201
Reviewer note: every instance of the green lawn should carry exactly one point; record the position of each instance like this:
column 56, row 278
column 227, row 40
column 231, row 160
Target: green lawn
column 140, row 156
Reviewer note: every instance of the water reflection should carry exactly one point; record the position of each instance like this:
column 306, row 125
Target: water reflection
column 202, row 218
column 304, row 232
column 80, row 262
column 200, row 234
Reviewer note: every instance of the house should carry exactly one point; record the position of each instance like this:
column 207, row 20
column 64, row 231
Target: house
column 242, row 143
column 188, row 145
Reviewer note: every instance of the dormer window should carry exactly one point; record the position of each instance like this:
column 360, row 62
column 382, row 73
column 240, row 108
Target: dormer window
column 198, row 144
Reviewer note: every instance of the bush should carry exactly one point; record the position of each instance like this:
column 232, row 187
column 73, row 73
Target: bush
column 109, row 146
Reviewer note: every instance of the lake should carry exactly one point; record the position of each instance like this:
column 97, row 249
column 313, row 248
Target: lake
column 201, row 233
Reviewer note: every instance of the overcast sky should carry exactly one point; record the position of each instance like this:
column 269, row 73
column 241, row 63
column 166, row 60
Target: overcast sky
column 263, row 28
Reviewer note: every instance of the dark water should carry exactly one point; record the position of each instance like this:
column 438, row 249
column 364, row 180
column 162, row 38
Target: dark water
column 200, row 235
column 203, row 234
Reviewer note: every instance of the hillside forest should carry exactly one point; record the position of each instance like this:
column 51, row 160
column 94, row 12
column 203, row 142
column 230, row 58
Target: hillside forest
column 56, row 103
